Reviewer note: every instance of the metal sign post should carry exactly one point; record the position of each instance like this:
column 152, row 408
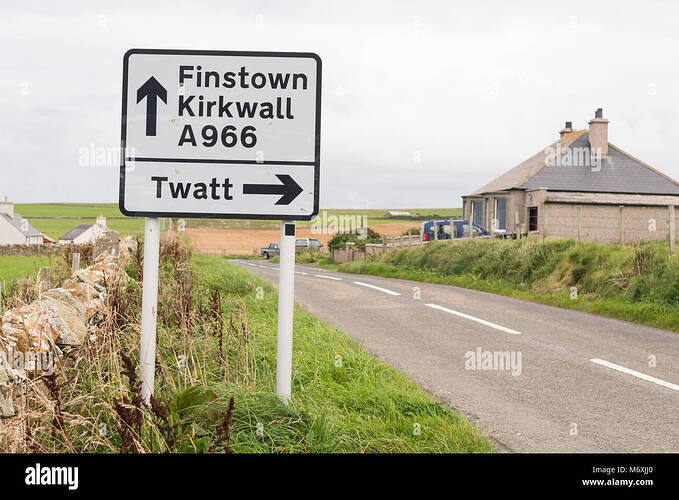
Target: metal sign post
column 286, row 302
column 149, row 307
column 224, row 135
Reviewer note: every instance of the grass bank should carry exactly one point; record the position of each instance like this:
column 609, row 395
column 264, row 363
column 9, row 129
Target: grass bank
column 638, row 283
column 217, row 341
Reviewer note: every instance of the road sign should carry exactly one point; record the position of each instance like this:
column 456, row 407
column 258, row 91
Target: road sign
column 220, row 134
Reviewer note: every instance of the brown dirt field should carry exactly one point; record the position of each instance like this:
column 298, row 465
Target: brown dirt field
column 244, row 241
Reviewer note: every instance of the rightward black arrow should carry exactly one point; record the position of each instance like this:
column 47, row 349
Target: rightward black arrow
column 152, row 90
column 289, row 189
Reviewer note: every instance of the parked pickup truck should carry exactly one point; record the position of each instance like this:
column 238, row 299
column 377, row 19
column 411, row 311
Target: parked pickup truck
column 460, row 229
column 270, row 251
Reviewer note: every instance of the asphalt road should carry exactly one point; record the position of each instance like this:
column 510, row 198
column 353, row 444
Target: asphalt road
column 585, row 383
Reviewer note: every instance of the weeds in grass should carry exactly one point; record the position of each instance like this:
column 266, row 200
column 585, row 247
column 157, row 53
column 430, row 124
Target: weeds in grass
column 54, row 388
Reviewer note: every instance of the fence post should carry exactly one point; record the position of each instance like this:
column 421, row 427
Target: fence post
column 517, row 228
column 45, row 279
column 75, row 264
column 672, row 228
column 579, row 224
column 621, row 222
column 545, row 224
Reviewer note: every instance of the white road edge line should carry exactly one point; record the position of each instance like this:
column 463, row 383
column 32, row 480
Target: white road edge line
column 327, row 277
column 474, row 318
column 376, row 288
column 635, row 373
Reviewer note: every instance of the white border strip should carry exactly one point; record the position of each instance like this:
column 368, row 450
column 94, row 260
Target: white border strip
column 327, row 277
column 635, row 373
column 376, row 288
column 473, row 318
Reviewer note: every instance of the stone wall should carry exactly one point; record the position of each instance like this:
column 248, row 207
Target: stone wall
column 35, row 335
column 49, row 249
column 108, row 242
column 601, row 223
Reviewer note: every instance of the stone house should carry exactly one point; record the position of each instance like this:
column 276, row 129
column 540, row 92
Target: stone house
column 581, row 186
column 14, row 229
column 85, row 233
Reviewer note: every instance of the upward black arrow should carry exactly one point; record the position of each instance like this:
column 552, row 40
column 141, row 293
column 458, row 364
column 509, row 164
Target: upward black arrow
column 289, row 189
column 152, row 90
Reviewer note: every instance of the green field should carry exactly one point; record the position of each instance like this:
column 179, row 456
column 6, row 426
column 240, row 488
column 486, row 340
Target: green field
column 18, row 266
column 56, row 219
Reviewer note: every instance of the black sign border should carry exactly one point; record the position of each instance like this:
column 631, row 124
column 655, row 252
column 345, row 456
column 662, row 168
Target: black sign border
column 209, row 215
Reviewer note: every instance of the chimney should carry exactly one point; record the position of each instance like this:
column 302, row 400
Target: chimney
column 7, row 207
column 598, row 133
column 567, row 129
column 101, row 220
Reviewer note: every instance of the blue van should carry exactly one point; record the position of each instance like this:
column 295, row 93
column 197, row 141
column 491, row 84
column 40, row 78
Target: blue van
column 460, row 229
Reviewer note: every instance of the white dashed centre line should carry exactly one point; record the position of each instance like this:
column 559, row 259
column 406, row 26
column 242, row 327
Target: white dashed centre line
column 376, row 288
column 301, row 272
column 474, row 318
column 327, row 277
column 635, row 373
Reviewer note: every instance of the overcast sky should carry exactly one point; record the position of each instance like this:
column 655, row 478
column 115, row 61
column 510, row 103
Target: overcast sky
column 422, row 101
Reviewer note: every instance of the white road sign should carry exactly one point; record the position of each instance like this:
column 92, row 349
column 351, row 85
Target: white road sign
column 220, row 134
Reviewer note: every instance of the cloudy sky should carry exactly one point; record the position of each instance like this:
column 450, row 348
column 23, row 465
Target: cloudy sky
column 422, row 101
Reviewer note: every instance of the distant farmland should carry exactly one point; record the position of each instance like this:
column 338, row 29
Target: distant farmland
column 56, row 219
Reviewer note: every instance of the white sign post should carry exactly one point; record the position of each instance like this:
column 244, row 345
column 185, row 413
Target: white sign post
column 149, row 305
column 229, row 135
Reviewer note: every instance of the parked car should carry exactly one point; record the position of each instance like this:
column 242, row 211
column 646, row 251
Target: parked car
column 310, row 243
column 271, row 250
column 442, row 227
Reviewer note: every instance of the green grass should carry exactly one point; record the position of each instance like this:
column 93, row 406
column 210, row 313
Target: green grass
column 18, row 266
column 638, row 283
column 356, row 405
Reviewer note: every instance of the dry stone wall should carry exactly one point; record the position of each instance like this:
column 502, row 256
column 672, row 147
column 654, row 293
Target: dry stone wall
column 33, row 336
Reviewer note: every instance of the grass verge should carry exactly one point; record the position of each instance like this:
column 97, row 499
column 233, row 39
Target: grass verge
column 637, row 283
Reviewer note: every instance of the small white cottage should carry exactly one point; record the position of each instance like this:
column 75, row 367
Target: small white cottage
column 14, row 229
column 85, row 233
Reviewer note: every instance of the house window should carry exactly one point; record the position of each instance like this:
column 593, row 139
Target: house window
column 501, row 214
column 477, row 212
column 532, row 218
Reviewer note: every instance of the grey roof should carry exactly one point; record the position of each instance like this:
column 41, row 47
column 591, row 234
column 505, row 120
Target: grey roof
column 513, row 178
column 620, row 172
column 18, row 221
column 75, row 232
